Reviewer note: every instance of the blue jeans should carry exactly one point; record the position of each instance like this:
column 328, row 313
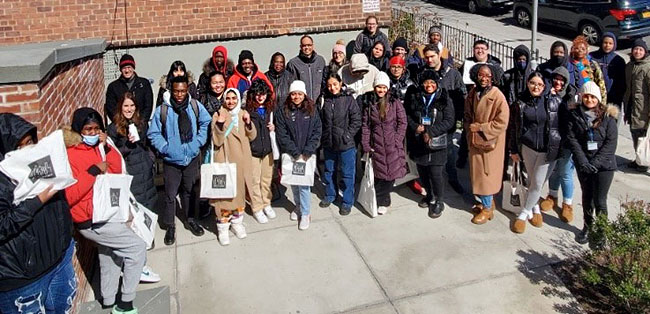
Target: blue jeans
column 486, row 200
column 347, row 160
column 302, row 198
column 563, row 175
column 53, row 293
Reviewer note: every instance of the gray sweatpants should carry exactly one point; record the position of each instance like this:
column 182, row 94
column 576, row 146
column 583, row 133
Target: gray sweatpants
column 539, row 170
column 118, row 246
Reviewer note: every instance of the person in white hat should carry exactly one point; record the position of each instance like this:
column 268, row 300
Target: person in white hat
column 592, row 135
column 382, row 136
column 298, row 131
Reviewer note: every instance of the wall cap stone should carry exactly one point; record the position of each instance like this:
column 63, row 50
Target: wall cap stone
column 31, row 62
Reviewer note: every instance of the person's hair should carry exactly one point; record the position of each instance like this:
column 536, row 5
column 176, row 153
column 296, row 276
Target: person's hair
column 383, row 104
column 600, row 110
column 178, row 79
column 121, row 123
column 213, row 73
column 372, row 17
column 431, row 47
column 481, row 42
column 258, row 87
column 176, row 65
column 306, row 36
column 579, row 40
column 308, row 105
column 275, row 55
column 535, row 74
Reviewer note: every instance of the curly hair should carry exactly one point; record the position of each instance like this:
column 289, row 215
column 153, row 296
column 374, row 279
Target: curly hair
column 580, row 40
column 259, row 87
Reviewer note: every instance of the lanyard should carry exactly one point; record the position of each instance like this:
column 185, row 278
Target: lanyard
column 591, row 134
column 427, row 105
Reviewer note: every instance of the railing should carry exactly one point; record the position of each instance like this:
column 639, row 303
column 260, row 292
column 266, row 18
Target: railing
column 414, row 27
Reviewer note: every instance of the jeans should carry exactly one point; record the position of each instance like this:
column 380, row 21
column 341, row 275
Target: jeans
column 452, row 155
column 347, row 160
column 52, row 294
column 563, row 175
column 486, row 200
column 594, row 193
column 302, row 198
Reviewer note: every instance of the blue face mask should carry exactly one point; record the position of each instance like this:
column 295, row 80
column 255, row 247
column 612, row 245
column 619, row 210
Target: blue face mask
column 90, row 140
column 522, row 64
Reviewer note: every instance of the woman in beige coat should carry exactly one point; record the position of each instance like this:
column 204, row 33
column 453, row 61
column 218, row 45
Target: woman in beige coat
column 486, row 121
column 232, row 132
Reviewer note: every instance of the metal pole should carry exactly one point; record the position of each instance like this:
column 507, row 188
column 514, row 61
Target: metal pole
column 534, row 28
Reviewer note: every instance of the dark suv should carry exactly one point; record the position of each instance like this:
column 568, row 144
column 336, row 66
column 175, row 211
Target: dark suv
column 473, row 6
column 627, row 19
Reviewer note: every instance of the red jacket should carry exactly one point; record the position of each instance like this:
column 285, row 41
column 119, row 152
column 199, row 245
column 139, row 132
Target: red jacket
column 80, row 195
column 241, row 82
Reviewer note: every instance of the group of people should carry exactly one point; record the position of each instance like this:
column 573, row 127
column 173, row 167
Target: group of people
column 383, row 101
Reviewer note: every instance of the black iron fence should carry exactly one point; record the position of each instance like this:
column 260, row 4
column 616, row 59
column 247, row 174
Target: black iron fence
column 414, row 28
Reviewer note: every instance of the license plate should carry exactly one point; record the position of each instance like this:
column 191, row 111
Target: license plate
column 646, row 14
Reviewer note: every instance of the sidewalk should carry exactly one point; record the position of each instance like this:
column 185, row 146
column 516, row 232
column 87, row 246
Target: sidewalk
column 402, row 262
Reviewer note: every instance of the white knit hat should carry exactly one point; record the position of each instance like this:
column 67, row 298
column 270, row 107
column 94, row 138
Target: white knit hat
column 381, row 79
column 298, row 86
column 592, row 89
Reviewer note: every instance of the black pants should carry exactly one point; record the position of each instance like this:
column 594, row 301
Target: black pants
column 432, row 181
column 594, row 193
column 185, row 178
column 382, row 191
column 463, row 149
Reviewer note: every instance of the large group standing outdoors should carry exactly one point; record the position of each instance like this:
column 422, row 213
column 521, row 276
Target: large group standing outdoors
column 382, row 101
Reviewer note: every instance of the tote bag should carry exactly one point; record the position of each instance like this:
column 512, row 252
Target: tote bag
column 298, row 172
column 367, row 197
column 411, row 172
column 274, row 143
column 219, row 180
column 144, row 221
column 36, row 167
column 514, row 189
column 111, row 193
column 643, row 150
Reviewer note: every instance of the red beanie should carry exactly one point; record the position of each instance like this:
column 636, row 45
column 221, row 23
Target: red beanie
column 397, row 60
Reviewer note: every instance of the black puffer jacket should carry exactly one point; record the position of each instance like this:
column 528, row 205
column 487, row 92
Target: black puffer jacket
column 141, row 88
column 261, row 145
column 33, row 236
column 281, row 82
column 399, row 87
column 606, row 135
column 139, row 164
column 212, row 103
column 341, row 120
column 444, row 120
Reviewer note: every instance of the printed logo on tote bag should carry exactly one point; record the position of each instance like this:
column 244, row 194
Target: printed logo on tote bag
column 219, row 181
column 147, row 221
column 299, row 168
column 115, row 197
column 41, row 169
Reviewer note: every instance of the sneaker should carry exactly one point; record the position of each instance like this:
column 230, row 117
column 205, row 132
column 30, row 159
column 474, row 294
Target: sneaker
column 324, row 204
column 293, row 216
column 270, row 213
column 239, row 230
column 148, row 275
column 117, row 310
column 304, row 222
column 583, row 236
column 222, row 230
column 435, row 209
column 260, row 217
column 382, row 210
column 344, row 210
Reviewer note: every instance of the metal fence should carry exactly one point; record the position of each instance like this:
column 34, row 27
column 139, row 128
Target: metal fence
column 414, row 27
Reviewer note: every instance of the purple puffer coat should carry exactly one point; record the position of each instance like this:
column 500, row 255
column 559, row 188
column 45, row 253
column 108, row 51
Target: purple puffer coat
column 387, row 137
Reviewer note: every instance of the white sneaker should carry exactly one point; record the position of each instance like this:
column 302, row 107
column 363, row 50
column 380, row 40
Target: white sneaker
column 304, row 222
column 294, row 216
column 148, row 275
column 382, row 210
column 268, row 210
column 238, row 230
column 260, row 217
column 222, row 230
column 423, row 192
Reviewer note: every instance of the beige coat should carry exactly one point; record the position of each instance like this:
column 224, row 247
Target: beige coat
column 492, row 113
column 237, row 147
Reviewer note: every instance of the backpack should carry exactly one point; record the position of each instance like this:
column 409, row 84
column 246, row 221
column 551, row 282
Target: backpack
column 163, row 116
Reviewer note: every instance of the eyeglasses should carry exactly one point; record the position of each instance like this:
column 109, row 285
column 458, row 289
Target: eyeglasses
column 536, row 85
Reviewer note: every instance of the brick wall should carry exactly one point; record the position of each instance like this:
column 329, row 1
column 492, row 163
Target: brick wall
column 49, row 104
column 154, row 22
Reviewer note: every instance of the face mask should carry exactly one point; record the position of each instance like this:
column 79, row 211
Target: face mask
column 522, row 65
column 557, row 60
column 90, row 140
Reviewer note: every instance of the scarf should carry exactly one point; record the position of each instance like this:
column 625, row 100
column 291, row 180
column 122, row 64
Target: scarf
column 184, row 123
column 129, row 82
column 234, row 115
column 583, row 73
column 307, row 59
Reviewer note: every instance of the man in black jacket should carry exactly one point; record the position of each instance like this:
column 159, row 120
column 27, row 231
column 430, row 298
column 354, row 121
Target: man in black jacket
column 129, row 81
column 36, row 244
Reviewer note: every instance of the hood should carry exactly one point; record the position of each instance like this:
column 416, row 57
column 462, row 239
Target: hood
column 70, row 138
column 558, row 44
column 12, row 129
column 239, row 72
column 359, row 61
column 519, row 51
column 163, row 80
column 224, row 51
column 236, row 92
column 562, row 71
column 612, row 111
column 612, row 36
column 600, row 54
column 83, row 115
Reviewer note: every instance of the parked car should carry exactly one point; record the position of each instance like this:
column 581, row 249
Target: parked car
column 627, row 19
column 473, row 6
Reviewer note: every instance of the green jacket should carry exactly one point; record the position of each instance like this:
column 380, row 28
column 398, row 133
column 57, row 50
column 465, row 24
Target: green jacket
column 637, row 95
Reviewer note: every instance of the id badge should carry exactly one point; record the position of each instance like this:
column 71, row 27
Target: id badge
column 426, row 121
column 591, row 145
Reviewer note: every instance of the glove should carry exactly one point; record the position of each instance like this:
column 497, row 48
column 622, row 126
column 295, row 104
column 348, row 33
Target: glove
column 588, row 168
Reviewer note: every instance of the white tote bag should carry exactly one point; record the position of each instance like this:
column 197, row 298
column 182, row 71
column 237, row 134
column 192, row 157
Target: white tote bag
column 298, row 172
column 643, row 150
column 218, row 180
column 36, row 167
column 514, row 189
column 111, row 193
column 144, row 221
column 367, row 197
column 274, row 143
column 411, row 172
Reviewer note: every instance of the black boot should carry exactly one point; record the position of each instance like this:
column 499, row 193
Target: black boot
column 194, row 227
column 583, row 236
column 424, row 202
column 170, row 236
column 436, row 208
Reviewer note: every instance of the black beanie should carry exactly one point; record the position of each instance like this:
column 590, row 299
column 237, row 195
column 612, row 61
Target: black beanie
column 429, row 75
column 639, row 42
column 400, row 42
column 83, row 116
column 127, row 59
column 245, row 54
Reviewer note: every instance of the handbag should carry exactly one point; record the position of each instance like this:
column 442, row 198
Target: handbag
column 643, row 150
column 439, row 142
column 514, row 189
column 274, row 143
column 219, row 180
column 367, row 197
column 480, row 142
column 111, row 192
column 298, row 172
column 143, row 223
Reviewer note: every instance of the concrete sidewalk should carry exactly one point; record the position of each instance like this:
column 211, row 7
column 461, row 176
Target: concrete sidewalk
column 402, row 262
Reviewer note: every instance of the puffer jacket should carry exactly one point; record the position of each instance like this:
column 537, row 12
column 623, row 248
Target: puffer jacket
column 310, row 71
column 212, row 103
column 341, row 121
column 443, row 111
column 399, row 86
column 33, row 236
column 358, row 86
column 165, row 86
column 261, row 145
column 384, row 138
column 281, row 82
column 606, row 135
column 139, row 164
column 637, row 95
column 209, row 66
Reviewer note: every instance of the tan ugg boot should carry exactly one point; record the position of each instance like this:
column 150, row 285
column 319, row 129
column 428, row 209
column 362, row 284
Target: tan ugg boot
column 537, row 220
column 519, row 226
column 548, row 203
column 567, row 213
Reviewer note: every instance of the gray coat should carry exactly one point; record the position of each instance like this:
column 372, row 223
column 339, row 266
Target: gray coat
column 309, row 72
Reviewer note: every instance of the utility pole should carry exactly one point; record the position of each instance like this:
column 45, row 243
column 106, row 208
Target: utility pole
column 534, row 29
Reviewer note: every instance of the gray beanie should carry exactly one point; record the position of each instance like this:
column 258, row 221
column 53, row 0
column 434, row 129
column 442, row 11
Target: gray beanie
column 435, row 29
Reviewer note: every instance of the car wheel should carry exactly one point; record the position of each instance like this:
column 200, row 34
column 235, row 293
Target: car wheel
column 591, row 32
column 522, row 17
column 472, row 6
